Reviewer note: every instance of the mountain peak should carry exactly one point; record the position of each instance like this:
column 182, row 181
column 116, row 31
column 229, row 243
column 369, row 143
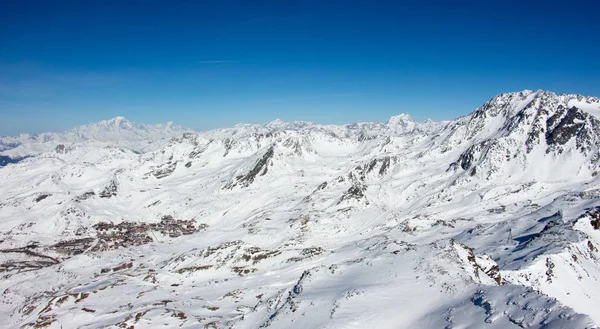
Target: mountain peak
column 117, row 122
column 276, row 123
column 402, row 123
column 118, row 119
column 400, row 119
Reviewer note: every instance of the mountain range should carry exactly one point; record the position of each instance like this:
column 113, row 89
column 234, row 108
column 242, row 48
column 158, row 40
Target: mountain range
column 491, row 220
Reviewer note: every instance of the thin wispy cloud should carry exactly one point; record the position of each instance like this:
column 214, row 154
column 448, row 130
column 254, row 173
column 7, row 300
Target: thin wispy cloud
column 213, row 62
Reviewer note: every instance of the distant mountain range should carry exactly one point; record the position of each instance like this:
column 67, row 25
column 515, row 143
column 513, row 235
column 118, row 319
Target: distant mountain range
column 491, row 220
column 116, row 132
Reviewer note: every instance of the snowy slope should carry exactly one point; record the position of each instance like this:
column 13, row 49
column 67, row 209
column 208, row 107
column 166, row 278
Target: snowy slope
column 487, row 221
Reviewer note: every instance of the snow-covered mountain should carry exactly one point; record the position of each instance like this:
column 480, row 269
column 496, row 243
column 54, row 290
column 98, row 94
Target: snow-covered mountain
column 487, row 221
column 114, row 132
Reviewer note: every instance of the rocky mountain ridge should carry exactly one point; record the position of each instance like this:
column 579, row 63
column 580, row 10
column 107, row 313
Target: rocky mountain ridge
column 486, row 221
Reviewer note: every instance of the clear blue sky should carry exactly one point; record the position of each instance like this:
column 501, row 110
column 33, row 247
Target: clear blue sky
column 209, row 64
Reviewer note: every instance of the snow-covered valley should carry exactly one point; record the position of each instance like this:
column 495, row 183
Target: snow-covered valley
column 491, row 220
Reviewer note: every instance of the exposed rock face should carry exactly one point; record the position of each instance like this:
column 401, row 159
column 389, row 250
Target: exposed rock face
column 523, row 124
column 42, row 197
column 260, row 168
column 110, row 190
column 356, row 191
column 379, row 165
column 466, row 158
column 61, row 149
column 84, row 196
column 165, row 170
column 573, row 123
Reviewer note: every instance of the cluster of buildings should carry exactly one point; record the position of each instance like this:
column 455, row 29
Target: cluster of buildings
column 125, row 234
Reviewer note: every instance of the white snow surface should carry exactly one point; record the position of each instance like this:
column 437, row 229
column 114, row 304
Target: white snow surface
column 487, row 221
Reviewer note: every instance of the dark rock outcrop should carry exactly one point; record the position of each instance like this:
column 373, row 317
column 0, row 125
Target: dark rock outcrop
column 110, row 190
column 261, row 168
column 565, row 125
column 165, row 171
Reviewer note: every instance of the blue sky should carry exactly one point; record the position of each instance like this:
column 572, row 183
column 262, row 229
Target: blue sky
column 210, row 64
